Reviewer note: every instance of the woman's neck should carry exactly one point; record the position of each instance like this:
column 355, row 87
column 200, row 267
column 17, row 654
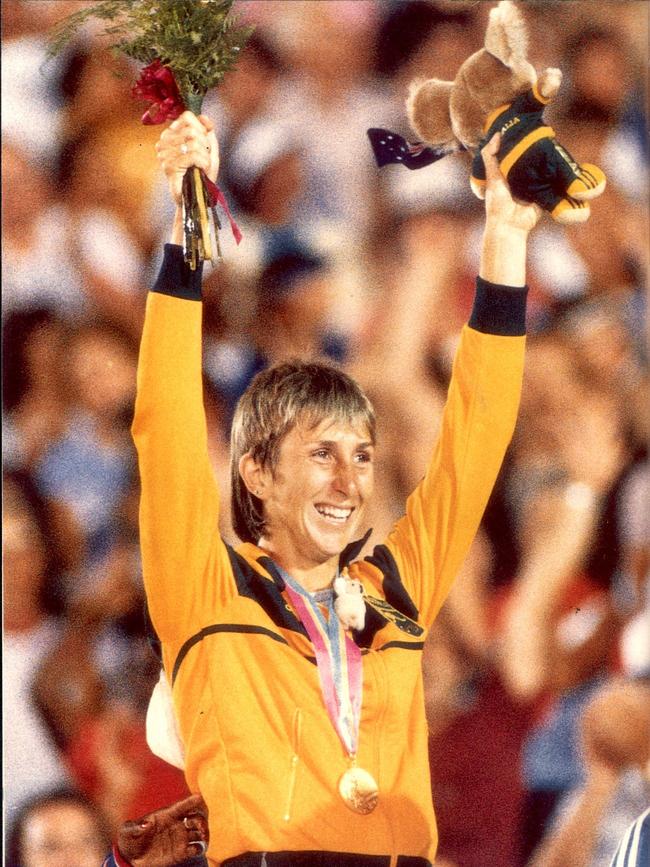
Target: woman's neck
column 311, row 577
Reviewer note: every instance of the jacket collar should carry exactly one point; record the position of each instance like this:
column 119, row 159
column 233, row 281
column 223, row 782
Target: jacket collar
column 347, row 555
column 351, row 551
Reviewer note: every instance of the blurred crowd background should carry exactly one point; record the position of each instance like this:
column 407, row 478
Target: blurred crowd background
column 537, row 669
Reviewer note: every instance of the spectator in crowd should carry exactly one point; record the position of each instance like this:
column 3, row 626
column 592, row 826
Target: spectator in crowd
column 604, row 99
column 293, row 302
column 38, row 270
column 31, row 109
column 267, row 180
column 58, row 828
column 33, row 398
column 614, row 727
column 104, row 135
column 559, row 626
column 93, row 687
column 332, row 120
column 476, row 726
column 250, row 90
column 31, row 761
column 634, row 848
column 85, row 471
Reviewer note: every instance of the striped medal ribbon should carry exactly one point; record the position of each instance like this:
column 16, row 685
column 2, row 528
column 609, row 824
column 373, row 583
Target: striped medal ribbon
column 338, row 660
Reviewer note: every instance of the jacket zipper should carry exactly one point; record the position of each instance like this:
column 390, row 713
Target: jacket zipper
column 293, row 768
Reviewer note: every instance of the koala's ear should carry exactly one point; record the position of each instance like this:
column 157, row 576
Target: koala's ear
column 427, row 106
column 506, row 38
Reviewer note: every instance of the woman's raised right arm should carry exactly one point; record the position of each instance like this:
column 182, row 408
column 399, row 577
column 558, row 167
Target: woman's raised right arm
column 179, row 501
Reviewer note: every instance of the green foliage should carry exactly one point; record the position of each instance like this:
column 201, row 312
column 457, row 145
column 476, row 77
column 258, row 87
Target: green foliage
column 198, row 39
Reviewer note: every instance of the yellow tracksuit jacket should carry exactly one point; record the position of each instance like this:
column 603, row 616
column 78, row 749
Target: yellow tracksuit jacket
column 259, row 744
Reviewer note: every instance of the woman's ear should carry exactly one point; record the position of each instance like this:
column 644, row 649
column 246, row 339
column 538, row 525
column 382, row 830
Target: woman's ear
column 253, row 474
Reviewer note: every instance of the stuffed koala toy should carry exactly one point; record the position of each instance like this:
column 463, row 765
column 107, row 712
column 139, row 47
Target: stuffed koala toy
column 497, row 90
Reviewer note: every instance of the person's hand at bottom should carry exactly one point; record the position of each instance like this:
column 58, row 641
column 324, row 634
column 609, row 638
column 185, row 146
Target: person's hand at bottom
column 166, row 837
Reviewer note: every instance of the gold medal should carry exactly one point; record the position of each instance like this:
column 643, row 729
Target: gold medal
column 359, row 790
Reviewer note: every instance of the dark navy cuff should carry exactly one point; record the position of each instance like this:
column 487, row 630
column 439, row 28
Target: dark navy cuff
column 176, row 277
column 499, row 309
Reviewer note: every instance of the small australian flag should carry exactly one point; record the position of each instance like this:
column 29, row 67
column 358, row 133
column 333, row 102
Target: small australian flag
column 389, row 147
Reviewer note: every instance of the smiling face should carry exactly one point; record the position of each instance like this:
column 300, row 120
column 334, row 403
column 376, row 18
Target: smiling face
column 315, row 496
column 290, row 397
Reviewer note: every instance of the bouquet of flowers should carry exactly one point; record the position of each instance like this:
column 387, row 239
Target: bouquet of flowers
column 187, row 46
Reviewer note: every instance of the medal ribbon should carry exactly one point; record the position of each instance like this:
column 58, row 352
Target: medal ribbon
column 338, row 660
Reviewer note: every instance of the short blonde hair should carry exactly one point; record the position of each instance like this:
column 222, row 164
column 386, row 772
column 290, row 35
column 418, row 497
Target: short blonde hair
column 275, row 401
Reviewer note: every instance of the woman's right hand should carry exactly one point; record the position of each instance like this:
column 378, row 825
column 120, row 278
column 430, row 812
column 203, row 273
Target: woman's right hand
column 501, row 209
column 188, row 141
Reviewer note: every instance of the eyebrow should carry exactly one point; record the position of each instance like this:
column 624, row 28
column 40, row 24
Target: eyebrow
column 333, row 443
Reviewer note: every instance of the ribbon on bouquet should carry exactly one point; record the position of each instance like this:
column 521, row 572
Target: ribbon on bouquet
column 216, row 197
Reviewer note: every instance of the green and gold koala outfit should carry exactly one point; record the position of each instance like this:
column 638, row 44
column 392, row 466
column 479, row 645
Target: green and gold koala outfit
column 538, row 169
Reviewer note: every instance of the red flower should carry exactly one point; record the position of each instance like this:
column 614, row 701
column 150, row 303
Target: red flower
column 157, row 85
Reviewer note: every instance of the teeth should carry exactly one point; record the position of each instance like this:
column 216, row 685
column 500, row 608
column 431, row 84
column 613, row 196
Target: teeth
column 334, row 512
